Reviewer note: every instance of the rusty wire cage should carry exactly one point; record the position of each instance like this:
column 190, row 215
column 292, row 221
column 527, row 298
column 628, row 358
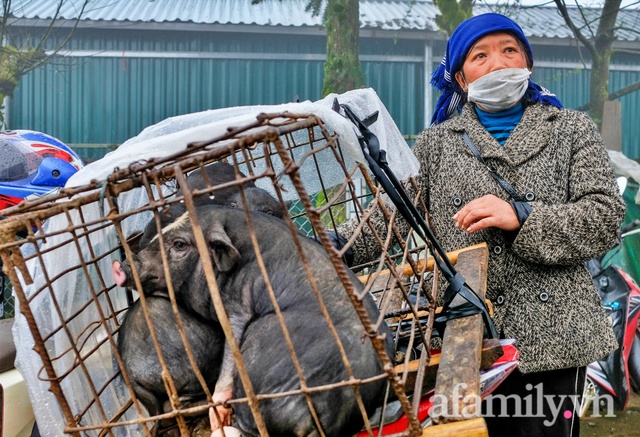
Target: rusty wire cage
column 63, row 280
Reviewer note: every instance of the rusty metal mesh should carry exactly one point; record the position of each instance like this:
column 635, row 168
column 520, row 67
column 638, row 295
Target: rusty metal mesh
column 63, row 281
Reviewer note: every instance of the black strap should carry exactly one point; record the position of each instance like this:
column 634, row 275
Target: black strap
column 376, row 158
column 499, row 179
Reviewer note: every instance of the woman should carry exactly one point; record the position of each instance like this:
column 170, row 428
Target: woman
column 541, row 292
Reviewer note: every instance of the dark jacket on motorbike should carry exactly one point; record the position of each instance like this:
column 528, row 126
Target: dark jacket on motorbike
column 542, row 294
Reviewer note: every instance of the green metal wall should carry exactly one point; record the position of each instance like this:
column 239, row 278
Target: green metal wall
column 572, row 87
column 105, row 99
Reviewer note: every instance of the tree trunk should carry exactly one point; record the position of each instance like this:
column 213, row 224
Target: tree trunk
column 599, row 87
column 342, row 70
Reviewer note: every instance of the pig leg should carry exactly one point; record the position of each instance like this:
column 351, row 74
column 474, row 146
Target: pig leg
column 152, row 404
column 149, row 400
column 220, row 415
column 224, row 386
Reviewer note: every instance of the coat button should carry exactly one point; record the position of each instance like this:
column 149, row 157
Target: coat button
column 500, row 299
column 497, row 250
column 457, row 202
column 530, row 196
column 544, row 296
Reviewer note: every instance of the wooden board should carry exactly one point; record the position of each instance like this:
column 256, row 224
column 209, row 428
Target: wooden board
column 491, row 351
column 458, row 380
column 407, row 270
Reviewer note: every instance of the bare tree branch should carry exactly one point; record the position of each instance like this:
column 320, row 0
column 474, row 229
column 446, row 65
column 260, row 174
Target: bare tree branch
column 18, row 54
column 624, row 91
column 47, row 59
column 587, row 22
column 562, row 8
column 616, row 95
column 626, row 52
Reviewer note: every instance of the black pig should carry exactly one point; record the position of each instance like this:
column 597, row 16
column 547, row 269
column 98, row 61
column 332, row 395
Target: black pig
column 216, row 173
column 254, row 323
column 135, row 344
column 141, row 362
column 257, row 199
column 220, row 173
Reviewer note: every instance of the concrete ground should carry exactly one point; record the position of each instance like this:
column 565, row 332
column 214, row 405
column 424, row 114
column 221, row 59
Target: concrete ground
column 625, row 424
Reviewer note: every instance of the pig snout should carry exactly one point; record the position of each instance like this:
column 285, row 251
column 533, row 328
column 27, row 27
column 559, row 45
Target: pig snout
column 121, row 273
column 151, row 274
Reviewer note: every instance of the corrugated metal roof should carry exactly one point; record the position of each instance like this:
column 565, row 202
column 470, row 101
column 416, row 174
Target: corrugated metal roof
column 546, row 21
column 396, row 15
column 536, row 21
column 268, row 12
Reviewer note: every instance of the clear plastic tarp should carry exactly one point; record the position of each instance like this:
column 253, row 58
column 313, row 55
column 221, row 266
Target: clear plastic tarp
column 174, row 134
column 626, row 167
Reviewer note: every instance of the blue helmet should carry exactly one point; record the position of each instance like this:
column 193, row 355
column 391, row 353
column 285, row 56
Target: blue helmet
column 33, row 163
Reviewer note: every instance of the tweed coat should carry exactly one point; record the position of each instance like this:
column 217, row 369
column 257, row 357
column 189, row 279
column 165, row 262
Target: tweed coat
column 541, row 291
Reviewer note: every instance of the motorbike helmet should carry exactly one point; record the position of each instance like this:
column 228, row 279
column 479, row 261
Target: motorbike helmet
column 33, row 163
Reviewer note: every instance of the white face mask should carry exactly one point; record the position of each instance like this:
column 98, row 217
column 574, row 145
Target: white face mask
column 500, row 89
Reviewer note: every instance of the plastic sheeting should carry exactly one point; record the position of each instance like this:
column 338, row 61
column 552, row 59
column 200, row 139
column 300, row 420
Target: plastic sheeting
column 174, row 134
column 626, row 167
column 72, row 292
column 161, row 140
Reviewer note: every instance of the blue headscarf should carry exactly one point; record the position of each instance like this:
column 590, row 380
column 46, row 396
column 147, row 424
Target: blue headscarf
column 459, row 44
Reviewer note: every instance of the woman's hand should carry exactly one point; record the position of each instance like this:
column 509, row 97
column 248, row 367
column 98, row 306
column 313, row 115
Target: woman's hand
column 486, row 212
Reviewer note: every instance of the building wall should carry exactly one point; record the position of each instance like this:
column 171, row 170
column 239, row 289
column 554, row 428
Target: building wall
column 119, row 81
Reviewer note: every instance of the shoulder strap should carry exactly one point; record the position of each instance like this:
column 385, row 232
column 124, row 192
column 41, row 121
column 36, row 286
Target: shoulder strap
column 376, row 159
column 504, row 184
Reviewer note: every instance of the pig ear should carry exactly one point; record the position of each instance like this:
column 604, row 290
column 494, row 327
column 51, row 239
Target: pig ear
column 223, row 252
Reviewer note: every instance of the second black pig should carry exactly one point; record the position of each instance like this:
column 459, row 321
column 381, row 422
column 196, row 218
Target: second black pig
column 220, row 173
column 213, row 175
column 141, row 362
column 252, row 316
